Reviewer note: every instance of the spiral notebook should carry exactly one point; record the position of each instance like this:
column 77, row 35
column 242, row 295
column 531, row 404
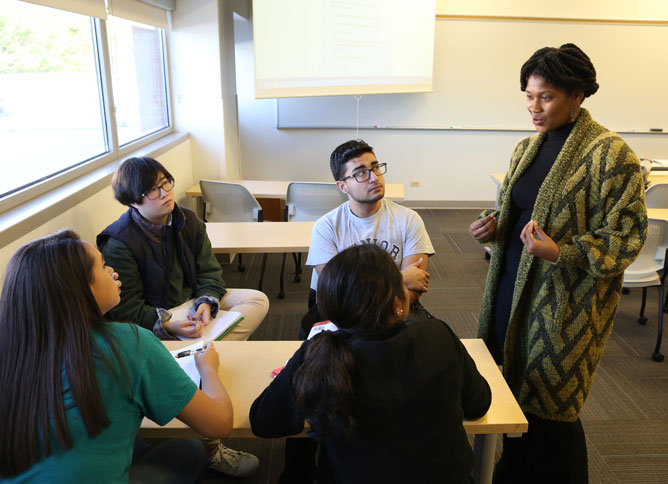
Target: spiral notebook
column 217, row 328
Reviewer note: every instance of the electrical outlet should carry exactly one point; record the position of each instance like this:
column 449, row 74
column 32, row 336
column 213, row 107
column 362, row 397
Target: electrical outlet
column 415, row 183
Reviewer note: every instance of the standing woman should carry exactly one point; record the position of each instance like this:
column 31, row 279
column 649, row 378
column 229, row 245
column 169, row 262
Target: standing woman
column 384, row 395
column 76, row 387
column 571, row 218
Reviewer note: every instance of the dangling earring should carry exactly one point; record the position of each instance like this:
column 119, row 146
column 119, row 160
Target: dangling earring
column 400, row 312
column 574, row 113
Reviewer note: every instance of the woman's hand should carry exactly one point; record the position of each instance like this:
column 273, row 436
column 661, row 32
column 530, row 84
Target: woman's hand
column 188, row 328
column 207, row 360
column 483, row 228
column 537, row 242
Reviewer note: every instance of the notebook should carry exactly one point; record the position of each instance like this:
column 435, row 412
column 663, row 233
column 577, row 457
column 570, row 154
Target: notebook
column 217, row 328
column 187, row 363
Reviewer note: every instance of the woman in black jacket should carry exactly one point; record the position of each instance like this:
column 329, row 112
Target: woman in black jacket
column 384, row 394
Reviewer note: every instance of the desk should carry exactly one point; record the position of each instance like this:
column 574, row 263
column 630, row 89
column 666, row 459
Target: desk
column 245, row 367
column 658, row 177
column 660, row 213
column 259, row 238
column 278, row 189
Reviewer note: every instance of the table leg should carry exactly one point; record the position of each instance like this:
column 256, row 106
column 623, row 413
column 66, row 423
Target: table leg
column 484, row 448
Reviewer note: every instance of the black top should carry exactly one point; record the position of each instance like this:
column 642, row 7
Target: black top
column 523, row 198
column 414, row 383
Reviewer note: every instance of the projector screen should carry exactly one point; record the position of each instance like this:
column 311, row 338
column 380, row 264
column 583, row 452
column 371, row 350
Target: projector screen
column 335, row 47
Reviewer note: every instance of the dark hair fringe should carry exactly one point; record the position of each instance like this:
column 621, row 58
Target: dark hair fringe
column 567, row 68
column 344, row 153
column 135, row 177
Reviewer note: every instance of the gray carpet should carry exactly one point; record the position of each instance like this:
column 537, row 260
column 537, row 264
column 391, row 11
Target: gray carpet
column 625, row 417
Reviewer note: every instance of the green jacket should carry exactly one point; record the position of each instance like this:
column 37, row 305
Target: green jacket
column 592, row 204
column 134, row 306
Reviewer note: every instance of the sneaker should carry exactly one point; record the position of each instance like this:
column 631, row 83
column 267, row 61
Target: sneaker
column 233, row 462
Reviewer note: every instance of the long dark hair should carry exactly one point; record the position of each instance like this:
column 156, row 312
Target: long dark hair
column 356, row 291
column 46, row 311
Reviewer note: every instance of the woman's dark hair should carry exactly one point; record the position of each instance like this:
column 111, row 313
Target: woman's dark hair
column 567, row 68
column 344, row 153
column 135, row 177
column 356, row 291
column 46, row 310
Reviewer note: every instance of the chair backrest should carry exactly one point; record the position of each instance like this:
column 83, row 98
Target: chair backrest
column 308, row 201
column 653, row 254
column 229, row 202
column 656, row 196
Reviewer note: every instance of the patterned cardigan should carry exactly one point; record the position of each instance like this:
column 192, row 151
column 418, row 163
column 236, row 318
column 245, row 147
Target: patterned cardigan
column 592, row 204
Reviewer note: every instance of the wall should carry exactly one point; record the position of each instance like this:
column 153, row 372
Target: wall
column 452, row 167
column 203, row 92
column 95, row 213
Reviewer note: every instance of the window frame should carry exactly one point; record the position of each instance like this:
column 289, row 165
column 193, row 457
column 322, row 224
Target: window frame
column 81, row 168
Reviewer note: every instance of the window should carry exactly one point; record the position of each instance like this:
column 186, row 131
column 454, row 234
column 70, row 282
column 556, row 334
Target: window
column 138, row 77
column 54, row 114
column 50, row 110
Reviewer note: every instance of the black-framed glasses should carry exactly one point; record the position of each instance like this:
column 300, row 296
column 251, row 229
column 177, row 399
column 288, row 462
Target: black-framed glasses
column 363, row 175
column 154, row 192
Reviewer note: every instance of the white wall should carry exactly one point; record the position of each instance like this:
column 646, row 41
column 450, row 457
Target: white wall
column 452, row 167
column 95, row 213
column 203, row 96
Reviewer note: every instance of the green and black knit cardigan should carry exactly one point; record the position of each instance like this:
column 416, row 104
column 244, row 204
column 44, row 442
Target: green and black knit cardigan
column 592, row 204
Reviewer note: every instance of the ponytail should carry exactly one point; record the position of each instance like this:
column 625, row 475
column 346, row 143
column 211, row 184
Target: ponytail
column 323, row 384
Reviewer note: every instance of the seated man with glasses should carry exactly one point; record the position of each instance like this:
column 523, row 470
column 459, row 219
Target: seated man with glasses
column 163, row 256
column 368, row 218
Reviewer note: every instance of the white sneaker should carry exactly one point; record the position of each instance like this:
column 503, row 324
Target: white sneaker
column 233, row 462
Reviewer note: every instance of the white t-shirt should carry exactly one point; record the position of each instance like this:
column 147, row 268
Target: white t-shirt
column 394, row 228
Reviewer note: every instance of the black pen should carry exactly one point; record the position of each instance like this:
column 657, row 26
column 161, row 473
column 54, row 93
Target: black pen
column 188, row 352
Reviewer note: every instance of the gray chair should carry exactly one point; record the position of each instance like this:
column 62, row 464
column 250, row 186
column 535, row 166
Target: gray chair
column 306, row 202
column 231, row 202
column 648, row 271
column 656, row 196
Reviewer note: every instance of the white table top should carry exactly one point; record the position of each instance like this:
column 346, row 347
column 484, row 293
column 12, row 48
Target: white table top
column 245, row 368
column 278, row 189
column 259, row 237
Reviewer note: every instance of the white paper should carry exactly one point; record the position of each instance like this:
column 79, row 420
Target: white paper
column 215, row 329
column 322, row 326
column 187, row 363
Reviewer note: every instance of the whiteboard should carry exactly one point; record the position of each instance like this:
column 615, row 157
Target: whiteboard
column 476, row 80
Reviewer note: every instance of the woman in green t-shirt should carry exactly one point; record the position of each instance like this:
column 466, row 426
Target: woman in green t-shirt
column 76, row 387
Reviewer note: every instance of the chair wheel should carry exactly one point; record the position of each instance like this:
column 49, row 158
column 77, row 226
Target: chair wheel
column 658, row 357
column 242, row 268
column 625, row 290
column 281, row 295
column 297, row 279
column 642, row 320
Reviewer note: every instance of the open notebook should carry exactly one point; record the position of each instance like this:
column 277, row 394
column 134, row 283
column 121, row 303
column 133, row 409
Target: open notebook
column 187, row 363
column 217, row 328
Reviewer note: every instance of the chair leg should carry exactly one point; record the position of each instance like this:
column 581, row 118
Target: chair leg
column 281, row 292
column 657, row 356
column 298, row 266
column 241, row 267
column 642, row 319
column 264, row 265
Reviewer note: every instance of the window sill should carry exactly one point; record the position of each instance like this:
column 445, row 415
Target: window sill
column 27, row 216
